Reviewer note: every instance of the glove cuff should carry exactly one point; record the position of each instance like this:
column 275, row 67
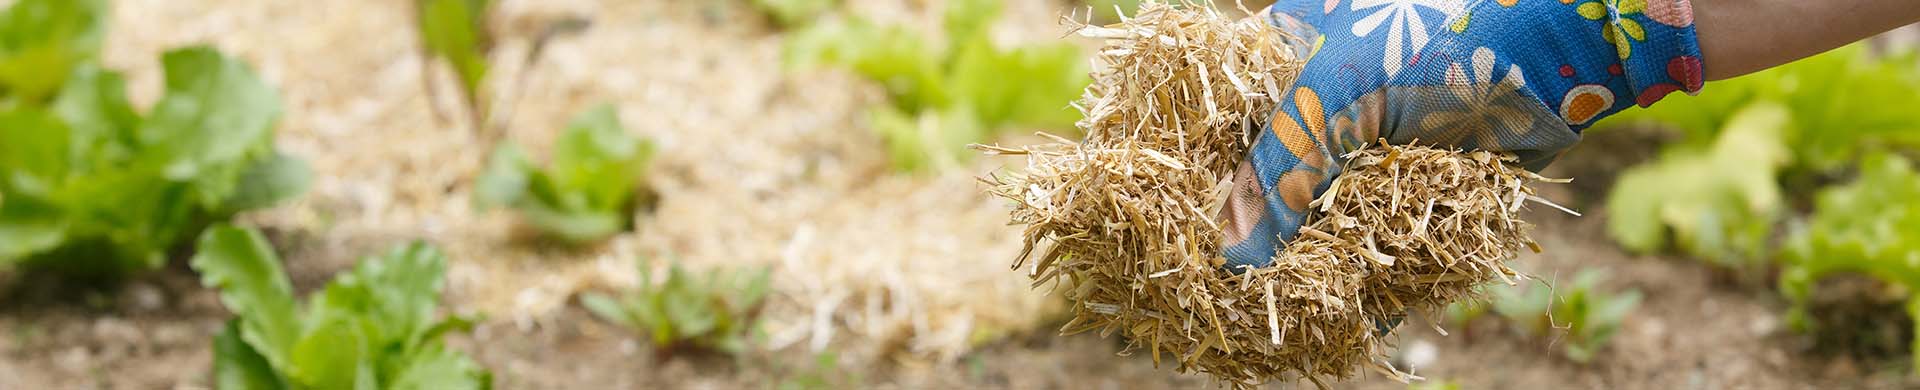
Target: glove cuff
column 1644, row 50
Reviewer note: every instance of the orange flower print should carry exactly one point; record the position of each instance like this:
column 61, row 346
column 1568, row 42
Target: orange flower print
column 1299, row 141
column 1585, row 102
column 1296, row 187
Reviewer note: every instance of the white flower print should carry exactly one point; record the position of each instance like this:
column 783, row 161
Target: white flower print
column 1482, row 110
column 1406, row 30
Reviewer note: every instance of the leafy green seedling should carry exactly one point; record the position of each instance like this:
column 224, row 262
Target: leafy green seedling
column 1592, row 316
column 947, row 94
column 1871, row 226
column 1524, row 306
column 456, row 31
column 1589, row 315
column 92, row 188
column 372, row 328
column 715, row 311
column 589, row 191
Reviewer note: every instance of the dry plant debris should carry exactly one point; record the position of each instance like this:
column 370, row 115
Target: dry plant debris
column 1126, row 219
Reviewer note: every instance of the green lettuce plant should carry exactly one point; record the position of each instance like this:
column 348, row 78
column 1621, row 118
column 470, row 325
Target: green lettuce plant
column 1870, row 226
column 374, row 327
column 591, row 188
column 714, row 311
column 90, row 187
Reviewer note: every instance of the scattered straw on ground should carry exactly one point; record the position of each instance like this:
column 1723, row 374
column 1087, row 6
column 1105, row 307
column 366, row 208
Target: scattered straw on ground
column 1126, row 218
column 759, row 167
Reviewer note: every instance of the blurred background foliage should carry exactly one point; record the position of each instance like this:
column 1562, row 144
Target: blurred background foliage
column 1802, row 170
column 946, row 93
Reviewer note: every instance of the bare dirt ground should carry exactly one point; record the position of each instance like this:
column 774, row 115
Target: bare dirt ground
column 904, row 278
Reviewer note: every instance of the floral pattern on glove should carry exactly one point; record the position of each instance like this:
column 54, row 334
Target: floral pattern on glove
column 1470, row 74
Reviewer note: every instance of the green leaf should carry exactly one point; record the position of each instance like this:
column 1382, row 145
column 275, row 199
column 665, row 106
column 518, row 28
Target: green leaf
column 431, row 336
column 753, row 288
column 27, row 227
column 949, row 94
column 607, row 309
column 1720, row 202
column 236, row 366
column 589, row 191
column 215, row 111
column 574, row 227
column 1591, row 315
column 94, row 105
column 1613, row 311
column 1028, row 85
column 1525, row 304
column 239, row 263
column 397, row 291
column 271, row 179
column 33, row 152
column 504, row 182
column 931, row 141
column 334, row 353
column 371, row 328
column 715, row 310
column 138, row 212
column 969, row 20
column 900, row 59
column 456, row 30
column 594, row 135
column 598, row 160
column 438, row 368
column 40, row 40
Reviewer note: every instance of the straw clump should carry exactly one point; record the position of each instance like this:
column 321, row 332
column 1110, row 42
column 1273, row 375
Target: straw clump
column 1127, row 218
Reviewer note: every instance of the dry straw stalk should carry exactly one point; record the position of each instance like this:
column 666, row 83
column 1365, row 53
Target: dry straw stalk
column 1126, row 218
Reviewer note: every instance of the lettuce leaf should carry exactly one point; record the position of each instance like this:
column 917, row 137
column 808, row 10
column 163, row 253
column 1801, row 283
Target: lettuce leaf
column 373, row 327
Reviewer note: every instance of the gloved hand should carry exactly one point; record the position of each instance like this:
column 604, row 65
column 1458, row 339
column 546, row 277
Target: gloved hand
column 1521, row 76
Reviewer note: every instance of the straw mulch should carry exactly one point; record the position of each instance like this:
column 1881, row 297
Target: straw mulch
column 758, row 167
column 1126, row 221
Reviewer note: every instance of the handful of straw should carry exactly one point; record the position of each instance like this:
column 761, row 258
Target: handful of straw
column 1128, row 216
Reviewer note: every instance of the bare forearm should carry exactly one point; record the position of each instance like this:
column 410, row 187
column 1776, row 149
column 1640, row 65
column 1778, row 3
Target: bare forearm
column 1743, row 36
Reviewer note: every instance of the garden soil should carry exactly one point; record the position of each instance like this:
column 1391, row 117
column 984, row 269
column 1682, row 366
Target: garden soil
column 904, row 278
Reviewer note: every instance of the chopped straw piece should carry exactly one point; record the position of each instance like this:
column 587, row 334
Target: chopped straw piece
column 1127, row 217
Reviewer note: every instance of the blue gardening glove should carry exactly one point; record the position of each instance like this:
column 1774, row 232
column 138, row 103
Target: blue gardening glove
column 1521, row 76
